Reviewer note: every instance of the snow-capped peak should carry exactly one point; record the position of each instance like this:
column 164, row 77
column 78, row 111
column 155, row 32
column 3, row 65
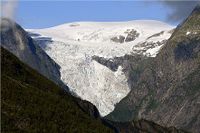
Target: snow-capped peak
column 97, row 32
column 73, row 45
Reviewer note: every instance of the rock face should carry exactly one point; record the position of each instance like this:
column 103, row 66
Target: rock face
column 118, row 39
column 144, row 126
column 17, row 41
column 131, row 35
column 166, row 89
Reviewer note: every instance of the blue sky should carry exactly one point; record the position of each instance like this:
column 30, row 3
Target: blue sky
column 42, row 14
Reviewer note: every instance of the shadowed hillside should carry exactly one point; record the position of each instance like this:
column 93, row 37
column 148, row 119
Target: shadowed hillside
column 32, row 103
column 166, row 89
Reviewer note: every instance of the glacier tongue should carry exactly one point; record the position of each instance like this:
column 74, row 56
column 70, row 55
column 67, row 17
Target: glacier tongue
column 73, row 45
column 89, row 79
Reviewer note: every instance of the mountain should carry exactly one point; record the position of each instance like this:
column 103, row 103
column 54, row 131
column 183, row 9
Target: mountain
column 166, row 89
column 15, row 39
column 85, row 53
column 32, row 103
column 143, row 126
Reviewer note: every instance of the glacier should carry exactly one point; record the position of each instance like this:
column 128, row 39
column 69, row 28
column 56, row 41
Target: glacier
column 72, row 46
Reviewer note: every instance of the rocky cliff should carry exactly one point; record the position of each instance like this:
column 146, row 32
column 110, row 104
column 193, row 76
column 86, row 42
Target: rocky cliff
column 166, row 89
column 16, row 40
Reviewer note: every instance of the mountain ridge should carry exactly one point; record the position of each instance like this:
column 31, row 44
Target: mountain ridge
column 15, row 39
column 77, row 23
column 167, row 94
column 31, row 102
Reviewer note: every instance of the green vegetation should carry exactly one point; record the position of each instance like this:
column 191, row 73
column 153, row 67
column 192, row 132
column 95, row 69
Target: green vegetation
column 32, row 103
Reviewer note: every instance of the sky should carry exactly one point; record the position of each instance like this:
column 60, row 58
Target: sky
column 43, row 14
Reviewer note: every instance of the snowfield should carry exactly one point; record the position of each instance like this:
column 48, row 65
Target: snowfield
column 72, row 46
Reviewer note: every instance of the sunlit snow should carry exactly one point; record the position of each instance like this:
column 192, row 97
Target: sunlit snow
column 187, row 33
column 74, row 44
